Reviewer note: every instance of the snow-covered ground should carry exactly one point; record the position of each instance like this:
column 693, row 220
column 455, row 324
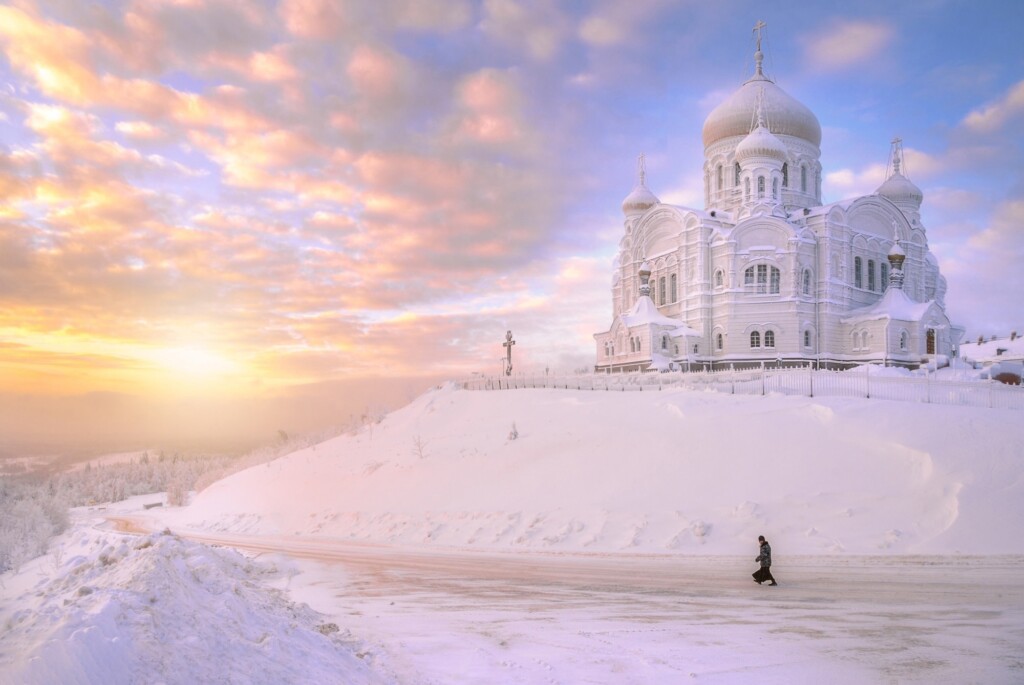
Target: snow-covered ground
column 611, row 541
column 676, row 472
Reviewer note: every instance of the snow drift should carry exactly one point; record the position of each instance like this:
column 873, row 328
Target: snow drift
column 658, row 472
column 162, row 609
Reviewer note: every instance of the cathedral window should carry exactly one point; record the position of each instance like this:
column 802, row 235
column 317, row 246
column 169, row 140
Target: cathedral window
column 871, row 274
column 755, row 340
column 718, row 341
column 904, row 341
column 769, row 338
column 785, row 175
column 720, row 177
column 885, row 277
column 758, row 276
column 803, row 179
column 807, row 282
column 664, row 342
column 673, row 288
column 930, row 341
column 661, row 290
column 760, row 186
column 858, row 280
column 807, row 338
column 696, row 349
column 775, row 189
column 719, row 278
column 736, row 175
column 677, row 349
column 632, row 345
column 746, row 189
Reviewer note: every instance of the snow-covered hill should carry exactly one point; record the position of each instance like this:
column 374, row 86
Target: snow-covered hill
column 675, row 472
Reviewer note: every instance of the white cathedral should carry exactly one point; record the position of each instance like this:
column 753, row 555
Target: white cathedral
column 767, row 274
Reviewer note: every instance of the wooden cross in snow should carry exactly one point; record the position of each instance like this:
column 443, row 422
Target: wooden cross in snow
column 509, row 342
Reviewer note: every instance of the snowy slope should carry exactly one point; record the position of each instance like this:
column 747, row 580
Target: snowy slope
column 658, row 472
column 117, row 609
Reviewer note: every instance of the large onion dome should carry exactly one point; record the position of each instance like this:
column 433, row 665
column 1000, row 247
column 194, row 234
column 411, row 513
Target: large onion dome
column 785, row 115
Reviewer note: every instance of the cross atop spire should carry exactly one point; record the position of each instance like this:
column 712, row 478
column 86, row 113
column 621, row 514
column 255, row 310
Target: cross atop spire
column 897, row 154
column 641, row 169
column 757, row 29
column 758, row 55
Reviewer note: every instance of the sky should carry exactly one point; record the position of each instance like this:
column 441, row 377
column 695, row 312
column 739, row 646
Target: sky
column 228, row 216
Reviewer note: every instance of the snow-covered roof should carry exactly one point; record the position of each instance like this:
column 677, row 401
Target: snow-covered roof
column 989, row 351
column 646, row 312
column 894, row 305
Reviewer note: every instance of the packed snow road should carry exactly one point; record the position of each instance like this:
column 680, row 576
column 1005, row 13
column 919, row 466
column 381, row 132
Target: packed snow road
column 439, row 616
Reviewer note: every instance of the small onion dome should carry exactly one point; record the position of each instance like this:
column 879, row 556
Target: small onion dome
column 639, row 201
column 645, row 269
column 761, row 143
column 901, row 190
column 897, row 255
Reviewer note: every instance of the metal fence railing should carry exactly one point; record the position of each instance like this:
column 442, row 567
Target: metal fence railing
column 862, row 382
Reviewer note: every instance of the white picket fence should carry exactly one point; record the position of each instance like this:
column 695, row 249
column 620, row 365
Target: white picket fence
column 786, row 381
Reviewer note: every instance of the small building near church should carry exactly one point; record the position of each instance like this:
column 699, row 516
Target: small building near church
column 767, row 274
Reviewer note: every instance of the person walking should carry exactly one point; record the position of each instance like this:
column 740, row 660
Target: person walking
column 765, row 558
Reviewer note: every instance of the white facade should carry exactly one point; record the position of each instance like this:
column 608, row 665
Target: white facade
column 767, row 274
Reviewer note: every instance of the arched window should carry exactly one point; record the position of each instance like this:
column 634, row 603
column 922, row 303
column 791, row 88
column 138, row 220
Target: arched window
column 769, row 338
column 871, row 274
column 885, row 277
column 858, row 279
column 719, row 177
column 755, row 340
column 736, row 175
column 673, row 288
column 661, row 290
column 638, row 344
column 807, row 282
column 719, row 279
column 664, row 342
column 696, row 349
column 803, row 178
column 785, row 175
column 762, row 279
column 718, row 341
column 677, row 349
column 807, row 338
column 904, row 341
column 930, row 341
column 775, row 189
column 760, row 186
column 746, row 189
column 632, row 345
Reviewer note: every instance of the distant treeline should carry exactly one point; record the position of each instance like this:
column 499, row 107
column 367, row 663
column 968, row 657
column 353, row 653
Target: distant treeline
column 33, row 511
